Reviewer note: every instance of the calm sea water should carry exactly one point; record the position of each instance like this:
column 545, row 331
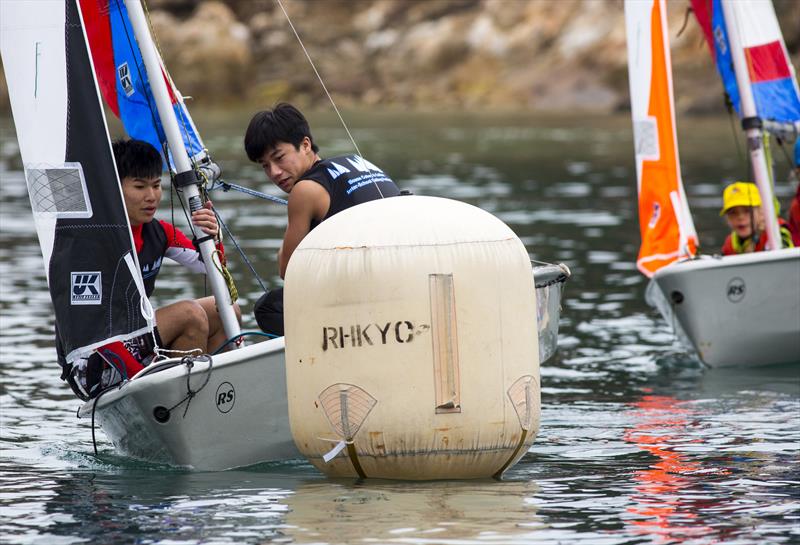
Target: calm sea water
column 639, row 443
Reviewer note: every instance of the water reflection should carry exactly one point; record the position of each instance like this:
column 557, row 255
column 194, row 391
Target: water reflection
column 662, row 506
column 156, row 506
column 429, row 512
column 638, row 443
column 272, row 505
column 727, row 456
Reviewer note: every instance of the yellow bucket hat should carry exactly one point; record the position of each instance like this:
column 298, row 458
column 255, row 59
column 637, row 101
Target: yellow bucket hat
column 740, row 194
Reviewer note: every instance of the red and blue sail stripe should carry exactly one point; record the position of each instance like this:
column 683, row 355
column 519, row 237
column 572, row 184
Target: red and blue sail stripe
column 123, row 79
column 773, row 82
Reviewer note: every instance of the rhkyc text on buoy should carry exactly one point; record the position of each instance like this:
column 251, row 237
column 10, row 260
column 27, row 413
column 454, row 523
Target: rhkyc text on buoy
column 358, row 335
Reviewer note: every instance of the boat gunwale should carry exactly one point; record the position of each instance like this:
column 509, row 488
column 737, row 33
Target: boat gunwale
column 716, row 261
column 173, row 368
column 544, row 277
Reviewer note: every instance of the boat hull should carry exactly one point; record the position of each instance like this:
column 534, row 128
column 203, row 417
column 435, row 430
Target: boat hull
column 238, row 418
column 239, row 415
column 741, row 310
column 549, row 281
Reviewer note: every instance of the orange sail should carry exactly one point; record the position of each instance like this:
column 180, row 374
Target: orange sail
column 665, row 222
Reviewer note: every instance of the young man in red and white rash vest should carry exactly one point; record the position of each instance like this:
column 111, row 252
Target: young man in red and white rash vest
column 185, row 325
column 280, row 141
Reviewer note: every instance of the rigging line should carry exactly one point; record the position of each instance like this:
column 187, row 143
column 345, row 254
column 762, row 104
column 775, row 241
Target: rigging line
column 226, row 186
column 241, row 335
column 734, row 129
column 168, row 77
column 241, row 252
column 188, row 215
column 324, row 87
column 172, row 205
column 786, row 156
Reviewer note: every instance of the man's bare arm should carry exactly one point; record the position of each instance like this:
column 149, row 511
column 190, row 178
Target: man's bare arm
column 308, row 201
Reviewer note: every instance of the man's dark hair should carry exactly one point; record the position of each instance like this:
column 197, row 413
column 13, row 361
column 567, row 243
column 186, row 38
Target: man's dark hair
column 284, row 123
column 137, row 159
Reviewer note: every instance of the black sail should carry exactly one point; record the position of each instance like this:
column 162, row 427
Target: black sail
column 94, row 290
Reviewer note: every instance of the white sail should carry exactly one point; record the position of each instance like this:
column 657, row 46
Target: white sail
column 37, row 90
column 75, row 195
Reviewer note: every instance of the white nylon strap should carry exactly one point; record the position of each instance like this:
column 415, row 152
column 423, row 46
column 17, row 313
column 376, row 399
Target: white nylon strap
column 334, row 451
column 144, row 303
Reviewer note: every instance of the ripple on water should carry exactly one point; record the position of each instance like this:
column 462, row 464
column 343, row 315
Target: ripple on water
column 639, row 443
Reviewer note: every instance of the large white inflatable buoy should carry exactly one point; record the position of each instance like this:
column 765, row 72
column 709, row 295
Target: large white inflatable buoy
column 411, row 342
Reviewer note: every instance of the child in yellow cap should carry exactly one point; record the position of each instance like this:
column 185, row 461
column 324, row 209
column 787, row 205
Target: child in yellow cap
column 742, row 210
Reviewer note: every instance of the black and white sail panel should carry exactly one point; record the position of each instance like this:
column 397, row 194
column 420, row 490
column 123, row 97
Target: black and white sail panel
column 75, row 194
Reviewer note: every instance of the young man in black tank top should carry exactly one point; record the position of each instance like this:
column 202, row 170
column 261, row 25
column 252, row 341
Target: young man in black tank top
column 280, row 141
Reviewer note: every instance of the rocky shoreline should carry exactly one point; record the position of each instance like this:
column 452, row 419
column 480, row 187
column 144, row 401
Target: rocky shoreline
column 540, row 55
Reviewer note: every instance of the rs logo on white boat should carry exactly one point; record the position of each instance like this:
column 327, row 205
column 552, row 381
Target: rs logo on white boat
column 86, row 288
column 735, row 290
column 226, row 397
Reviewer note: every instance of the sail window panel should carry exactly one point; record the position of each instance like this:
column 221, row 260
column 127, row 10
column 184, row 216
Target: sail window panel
column 58, row 190
column 645, row 132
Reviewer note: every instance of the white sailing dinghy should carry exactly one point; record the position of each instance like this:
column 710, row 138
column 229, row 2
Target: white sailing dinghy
column 62, row 58
column 731, row 310
column 180, row 413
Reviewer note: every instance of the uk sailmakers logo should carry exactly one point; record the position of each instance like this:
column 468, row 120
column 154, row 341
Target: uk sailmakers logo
column 125, row 80
column 86, row 288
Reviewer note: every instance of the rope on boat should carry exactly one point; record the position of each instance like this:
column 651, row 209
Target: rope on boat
column 227, row 186
column 94, row 409
column 188, row 361
column 161, row 353
column 558, row 275
column 226, row 274
column 241, row 253
column 241, row 335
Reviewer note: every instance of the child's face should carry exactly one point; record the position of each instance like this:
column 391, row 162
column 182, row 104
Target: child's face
column 741, row 218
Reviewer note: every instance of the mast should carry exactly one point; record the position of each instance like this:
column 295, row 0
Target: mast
column 186, row 177
column 753, row 126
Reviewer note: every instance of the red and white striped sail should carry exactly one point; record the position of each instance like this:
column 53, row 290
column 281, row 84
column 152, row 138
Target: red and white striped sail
column 772, row 79
column 665, row 222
